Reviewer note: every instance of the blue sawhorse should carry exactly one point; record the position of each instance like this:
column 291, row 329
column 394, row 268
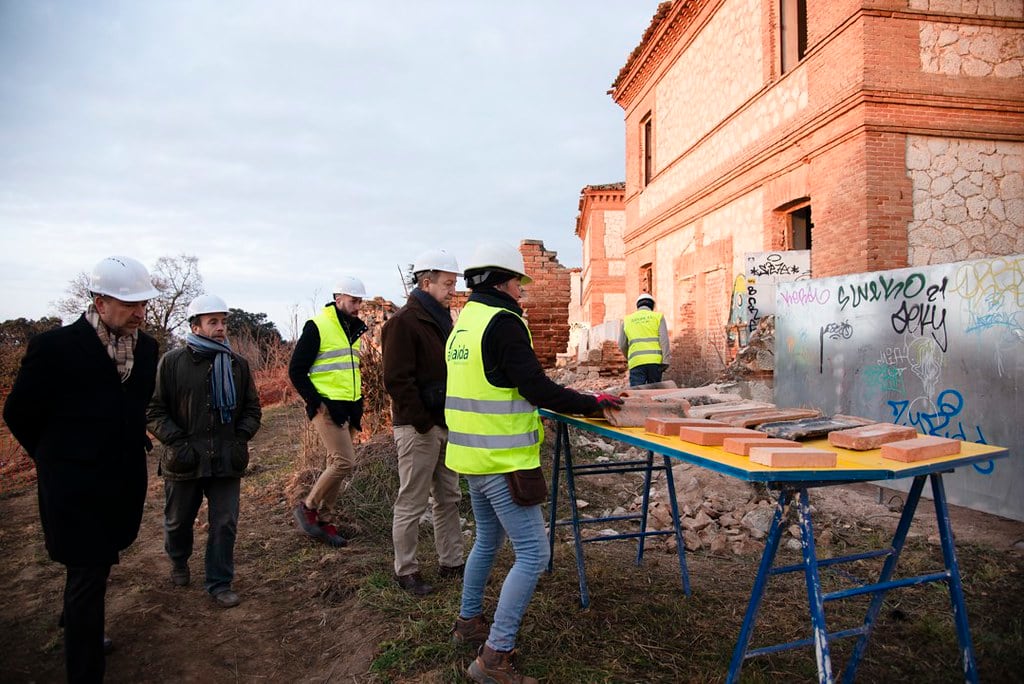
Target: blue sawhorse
column 817, row 598
column 647, row 466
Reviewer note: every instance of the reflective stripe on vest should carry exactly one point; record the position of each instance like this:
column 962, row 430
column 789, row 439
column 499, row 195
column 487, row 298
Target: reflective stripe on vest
column 642, row 330
column 490, row 429
column 335, row 371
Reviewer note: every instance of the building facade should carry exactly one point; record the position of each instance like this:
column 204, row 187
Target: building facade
column 876, row 134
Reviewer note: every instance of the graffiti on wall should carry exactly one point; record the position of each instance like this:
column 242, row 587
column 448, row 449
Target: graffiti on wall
column 938, row 348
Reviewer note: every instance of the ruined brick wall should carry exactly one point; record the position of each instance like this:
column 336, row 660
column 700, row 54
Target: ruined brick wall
column 546, row 305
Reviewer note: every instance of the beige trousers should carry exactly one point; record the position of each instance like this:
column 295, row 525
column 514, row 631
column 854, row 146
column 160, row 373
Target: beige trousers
column 340, row 458
column 422, row 474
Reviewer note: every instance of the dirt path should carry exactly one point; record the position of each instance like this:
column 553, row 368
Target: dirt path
column 289, row 627
column 300, row 620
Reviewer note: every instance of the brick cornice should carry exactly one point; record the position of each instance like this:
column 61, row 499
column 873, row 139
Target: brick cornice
column 668, row 26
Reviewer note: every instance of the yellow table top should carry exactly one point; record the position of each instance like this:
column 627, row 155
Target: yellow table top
column 850, row 465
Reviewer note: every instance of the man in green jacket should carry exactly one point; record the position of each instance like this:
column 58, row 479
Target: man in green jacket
column 204, row 411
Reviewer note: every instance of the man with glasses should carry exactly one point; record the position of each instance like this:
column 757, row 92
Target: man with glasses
column 324, row 369
column 78, row 406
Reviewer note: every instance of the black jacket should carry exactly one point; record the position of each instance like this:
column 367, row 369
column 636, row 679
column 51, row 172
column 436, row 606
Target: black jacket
column 414, row 368
column 182, row 417
column 86, row 432
column 303, row 356
column 509, row 360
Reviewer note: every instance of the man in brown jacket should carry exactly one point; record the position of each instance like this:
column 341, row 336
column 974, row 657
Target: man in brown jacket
column 415, row 376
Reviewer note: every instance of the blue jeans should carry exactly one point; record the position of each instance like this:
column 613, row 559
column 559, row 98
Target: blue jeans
column 182, row 499
column 642, row 375
column 497, row 516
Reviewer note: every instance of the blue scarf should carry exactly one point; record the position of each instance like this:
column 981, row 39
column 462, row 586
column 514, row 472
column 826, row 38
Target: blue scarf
column 222, row 383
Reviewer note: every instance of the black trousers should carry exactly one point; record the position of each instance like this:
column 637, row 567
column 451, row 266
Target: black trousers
column 84, row 592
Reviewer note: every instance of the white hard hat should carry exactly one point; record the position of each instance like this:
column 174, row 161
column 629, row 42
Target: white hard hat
column 496, row 254
column 204, row 304
column 123, row 278
column 351, row 286
column 436, row 260
column 644, row 297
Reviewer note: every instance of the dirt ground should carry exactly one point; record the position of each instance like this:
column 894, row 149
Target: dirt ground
column 300, row 619
column 289, row 627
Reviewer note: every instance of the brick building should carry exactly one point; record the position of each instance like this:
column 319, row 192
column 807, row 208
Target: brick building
column 599, row 226
column 878, row 134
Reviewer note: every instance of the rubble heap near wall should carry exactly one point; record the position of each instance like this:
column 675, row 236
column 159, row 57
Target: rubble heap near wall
column 600, row 369
column 753, row 369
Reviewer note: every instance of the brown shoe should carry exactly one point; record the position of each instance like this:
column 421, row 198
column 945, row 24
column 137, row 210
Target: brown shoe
column 414, row 584
column 447, row 571
column 472, row 630
column 497, row 667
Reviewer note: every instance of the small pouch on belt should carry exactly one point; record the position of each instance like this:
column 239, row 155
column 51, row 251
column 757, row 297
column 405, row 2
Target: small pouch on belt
column 527, row 487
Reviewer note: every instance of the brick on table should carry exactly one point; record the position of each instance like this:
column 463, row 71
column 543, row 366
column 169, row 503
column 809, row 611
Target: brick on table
column 741, row 446
column 920, row 449
column 713, row 436
column 870, row 436
column 670, row 426
column 790, row 457
column 755, row 417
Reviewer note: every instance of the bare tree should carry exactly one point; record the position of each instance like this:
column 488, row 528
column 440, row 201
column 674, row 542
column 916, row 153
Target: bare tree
column 179, row 282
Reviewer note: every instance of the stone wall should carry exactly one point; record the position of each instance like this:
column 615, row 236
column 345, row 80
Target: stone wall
column 980, row 8
column 972, row 51
column 968, row 199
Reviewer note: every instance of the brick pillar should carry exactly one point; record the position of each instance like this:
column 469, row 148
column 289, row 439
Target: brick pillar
column 546, row 305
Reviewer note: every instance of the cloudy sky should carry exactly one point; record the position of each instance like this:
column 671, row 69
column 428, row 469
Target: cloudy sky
column 284, row 143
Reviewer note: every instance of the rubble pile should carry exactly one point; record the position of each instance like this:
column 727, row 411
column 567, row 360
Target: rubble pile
column 717, row 513
column 599, row 369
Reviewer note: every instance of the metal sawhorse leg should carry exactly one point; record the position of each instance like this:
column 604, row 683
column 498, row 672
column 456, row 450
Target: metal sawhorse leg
column 646, row 466
column 816, row 598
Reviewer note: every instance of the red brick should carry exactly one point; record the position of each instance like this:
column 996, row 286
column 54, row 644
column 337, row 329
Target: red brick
column 800, row 457
column 920, row 449
column 714, row 436
column 870, row 436
column 741, row 445
column 670, row 426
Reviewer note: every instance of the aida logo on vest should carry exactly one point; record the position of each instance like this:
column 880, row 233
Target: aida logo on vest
column 460, row 353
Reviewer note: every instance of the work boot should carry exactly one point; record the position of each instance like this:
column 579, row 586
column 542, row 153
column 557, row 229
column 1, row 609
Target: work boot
column 472, row 630
column 414, row 584
column 226, row 598
column 496, row 667
column 330, row 535
column 180, row 575
column 451, row 570
column 308, row 520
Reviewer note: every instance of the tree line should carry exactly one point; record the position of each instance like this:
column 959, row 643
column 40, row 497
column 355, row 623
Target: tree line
column 179, row 281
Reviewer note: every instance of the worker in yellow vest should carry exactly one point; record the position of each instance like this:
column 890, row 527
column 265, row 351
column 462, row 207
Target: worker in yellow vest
column 495, row 384
column 643, row 339
column 324, row 369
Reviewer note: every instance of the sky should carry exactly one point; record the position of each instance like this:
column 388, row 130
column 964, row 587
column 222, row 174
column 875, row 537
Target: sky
column 287, row 143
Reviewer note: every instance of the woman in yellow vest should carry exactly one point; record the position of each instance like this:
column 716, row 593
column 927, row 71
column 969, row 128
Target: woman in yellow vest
column 643, row 339
column 495, row 384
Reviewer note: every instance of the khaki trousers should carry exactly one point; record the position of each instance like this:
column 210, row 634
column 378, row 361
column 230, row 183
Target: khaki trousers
column 340, row 458
column 422, row 474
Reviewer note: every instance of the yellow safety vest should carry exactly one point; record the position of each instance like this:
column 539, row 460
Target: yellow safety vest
column 491, row 429
column 642, row 329
column 335, row 371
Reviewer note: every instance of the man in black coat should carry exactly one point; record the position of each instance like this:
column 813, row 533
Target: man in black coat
column 78, row 406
